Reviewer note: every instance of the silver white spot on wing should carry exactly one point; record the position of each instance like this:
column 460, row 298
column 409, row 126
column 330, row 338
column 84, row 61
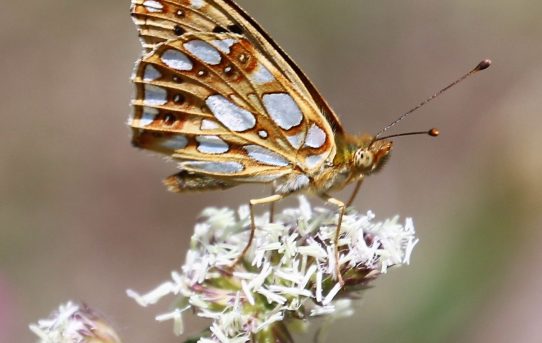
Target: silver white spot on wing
column 283, row 110
column 174, row 143
column 203, row 51
column 177, row 60
column 151, row 73
column 197, row 4
column 296, row 140
column 154, row 96
column 266, row 177
column 230, row 115
column 314, row 161
column 261, row 75
column 263, row 134
column 265, row 156
column 207, row 124
column 224, row 45
column 148, row 116
column 153, row 6
column 212, row 145
column 316, row 137
column 214, row 167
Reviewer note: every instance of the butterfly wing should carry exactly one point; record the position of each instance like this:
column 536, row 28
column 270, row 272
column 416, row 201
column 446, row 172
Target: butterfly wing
column 217, row 103
column 162, row 20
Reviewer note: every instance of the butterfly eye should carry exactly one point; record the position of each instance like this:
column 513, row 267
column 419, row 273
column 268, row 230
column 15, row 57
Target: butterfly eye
column 363, row 158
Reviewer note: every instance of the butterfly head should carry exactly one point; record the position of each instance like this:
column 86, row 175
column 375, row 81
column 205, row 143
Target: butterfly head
column 372, row 157
column 373, row 152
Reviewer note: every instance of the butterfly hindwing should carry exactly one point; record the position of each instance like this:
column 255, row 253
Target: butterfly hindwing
column 211, row 101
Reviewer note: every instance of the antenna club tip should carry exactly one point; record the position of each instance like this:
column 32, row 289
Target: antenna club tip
column 433, row 132
column 483, row 65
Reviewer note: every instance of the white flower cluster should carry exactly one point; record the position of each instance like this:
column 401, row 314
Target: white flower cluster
column 289, row 274
column 73, row 323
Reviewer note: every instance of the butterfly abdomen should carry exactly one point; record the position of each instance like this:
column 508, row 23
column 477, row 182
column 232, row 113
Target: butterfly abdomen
column 185, row 181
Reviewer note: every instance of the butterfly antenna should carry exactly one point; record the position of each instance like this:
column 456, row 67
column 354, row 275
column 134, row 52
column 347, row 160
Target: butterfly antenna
column 433, row 133
column 481, row 66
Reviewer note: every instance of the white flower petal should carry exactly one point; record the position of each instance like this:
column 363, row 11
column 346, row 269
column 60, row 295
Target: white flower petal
column 329, row 297
column 292, row 265
column 153, row 296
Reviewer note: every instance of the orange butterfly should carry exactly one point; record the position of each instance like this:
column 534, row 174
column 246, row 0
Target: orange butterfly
column 217, row 94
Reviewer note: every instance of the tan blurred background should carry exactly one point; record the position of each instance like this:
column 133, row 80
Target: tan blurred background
column 84, row 216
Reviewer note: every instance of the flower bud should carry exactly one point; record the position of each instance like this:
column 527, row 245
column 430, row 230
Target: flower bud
column 73, row 323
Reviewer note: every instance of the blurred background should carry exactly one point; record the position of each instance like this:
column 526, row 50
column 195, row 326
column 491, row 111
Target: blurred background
column 84, row 216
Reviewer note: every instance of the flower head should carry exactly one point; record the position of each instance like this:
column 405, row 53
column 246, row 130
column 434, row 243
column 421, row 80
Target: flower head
column 73, row 323
column 288, row 276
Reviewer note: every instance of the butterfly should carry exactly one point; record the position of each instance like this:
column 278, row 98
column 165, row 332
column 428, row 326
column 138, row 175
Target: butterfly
column 216, row 94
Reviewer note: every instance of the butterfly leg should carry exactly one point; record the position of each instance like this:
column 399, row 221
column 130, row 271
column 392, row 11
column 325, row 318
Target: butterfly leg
column 268, row 200
column 354, row 193
column 341, row 206
column 272, row 208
